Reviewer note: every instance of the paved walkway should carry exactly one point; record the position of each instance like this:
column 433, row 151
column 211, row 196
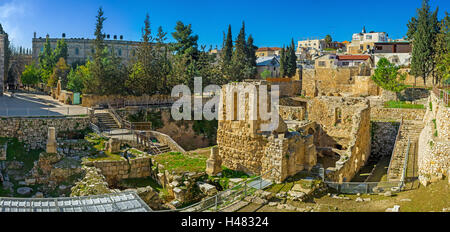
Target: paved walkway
column 32, row 105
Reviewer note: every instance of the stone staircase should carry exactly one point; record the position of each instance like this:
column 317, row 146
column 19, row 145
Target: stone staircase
column 157, row 149
column 106, row 121
column 409, row 130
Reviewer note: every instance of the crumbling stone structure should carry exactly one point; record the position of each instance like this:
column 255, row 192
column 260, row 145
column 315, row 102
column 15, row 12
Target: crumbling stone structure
column 244, row 146
column 345, row 130
column 342, row 81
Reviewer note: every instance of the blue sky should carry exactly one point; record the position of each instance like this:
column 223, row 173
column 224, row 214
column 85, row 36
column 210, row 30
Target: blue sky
column 271, row 22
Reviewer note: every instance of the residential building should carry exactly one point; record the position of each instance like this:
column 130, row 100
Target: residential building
column 365, row 42
column 270, row 63
column 311, row 44
column 354, row 60
column 397, row 52
column 333, row 61
column 326, row 61
column 268, row 51
column 81, row 49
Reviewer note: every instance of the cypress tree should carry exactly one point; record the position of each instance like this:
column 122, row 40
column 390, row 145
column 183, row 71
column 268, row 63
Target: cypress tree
column 292, row 60
column 283, row 63
column 251, row 56
column 422, row 63
column 228, row 47
column 239, row 69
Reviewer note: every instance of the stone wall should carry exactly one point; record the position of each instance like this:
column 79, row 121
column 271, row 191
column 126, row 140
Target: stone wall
column 116, row 170
column 434, row 142
column 364, row 86
column 349, row 81
column 3, row 149
column 292, row 112
column 395, row 114
column 33, row 131
column 384, row 135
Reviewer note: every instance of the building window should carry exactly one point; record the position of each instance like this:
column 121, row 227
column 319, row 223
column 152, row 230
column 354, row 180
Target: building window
column 345, row 63
column 321, row 63
column 77, row 51
column 120, row 52
column 368, row 36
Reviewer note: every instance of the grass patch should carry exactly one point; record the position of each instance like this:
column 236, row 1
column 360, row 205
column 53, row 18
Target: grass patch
column 403, row 105
column 179, row 162
column 98, row 144
column 16, row 152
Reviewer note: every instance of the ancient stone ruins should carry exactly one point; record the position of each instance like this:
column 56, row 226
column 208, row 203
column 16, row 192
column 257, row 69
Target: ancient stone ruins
column 326, row 142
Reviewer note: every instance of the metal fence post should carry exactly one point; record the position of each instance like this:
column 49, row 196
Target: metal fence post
column 245, row 189
column 216, row 203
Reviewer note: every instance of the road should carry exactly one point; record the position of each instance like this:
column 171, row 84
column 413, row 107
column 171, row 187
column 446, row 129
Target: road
column 33, row 105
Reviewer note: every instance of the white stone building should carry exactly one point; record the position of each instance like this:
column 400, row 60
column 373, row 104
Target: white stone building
column 81, row 49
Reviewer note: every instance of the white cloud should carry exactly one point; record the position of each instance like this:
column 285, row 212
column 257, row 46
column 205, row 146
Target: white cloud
column 10, row 14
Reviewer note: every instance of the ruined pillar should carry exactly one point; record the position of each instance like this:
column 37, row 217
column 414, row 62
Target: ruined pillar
column 51, row 141
column 214, row 163
column 113, row 145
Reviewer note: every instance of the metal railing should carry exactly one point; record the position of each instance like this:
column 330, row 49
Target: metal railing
column 228, row 197
column 366, row 187
column 373, row 187
column 146, row 141
column 125, row 124
column 442, row 94
column 405, row 164
column 395, row 144
column 43, row 111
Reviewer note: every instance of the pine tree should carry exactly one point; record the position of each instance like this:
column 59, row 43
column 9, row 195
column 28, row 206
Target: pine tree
column 60, row 72
column 46, row 61
column 97, row 67
column 61, row 50
column 186, row 55
column 186, row 42
column 387, row 76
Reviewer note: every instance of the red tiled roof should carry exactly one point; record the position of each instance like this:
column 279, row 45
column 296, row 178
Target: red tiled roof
column 353, row 57
column 265, row 49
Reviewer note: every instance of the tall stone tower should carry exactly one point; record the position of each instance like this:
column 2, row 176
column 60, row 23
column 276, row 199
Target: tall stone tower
column 3, row 38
